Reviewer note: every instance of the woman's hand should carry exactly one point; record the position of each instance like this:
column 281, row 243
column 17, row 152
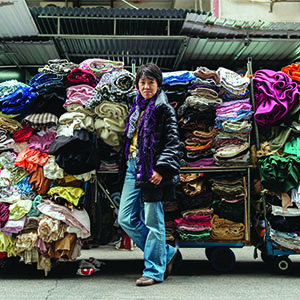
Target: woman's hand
column 156, row 178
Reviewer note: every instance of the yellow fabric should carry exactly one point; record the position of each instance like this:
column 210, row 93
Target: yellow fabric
column 69, row 178
column 71, row 194
column 19, row 209
column 8, row 116
column 133, row 144
column 7, row 245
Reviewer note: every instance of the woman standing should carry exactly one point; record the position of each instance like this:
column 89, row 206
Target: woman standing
column 152, row 166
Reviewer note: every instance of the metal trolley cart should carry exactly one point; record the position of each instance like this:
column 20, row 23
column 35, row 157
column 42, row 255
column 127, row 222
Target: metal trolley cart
column 273, row 253
column 219, row 252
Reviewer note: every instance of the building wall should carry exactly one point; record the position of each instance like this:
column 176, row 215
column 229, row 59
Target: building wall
column 256, row 10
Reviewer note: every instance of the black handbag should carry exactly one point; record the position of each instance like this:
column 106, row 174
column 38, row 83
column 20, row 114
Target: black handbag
column 166, row 181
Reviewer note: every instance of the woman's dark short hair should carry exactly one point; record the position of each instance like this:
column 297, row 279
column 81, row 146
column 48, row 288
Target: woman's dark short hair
column 150, row 71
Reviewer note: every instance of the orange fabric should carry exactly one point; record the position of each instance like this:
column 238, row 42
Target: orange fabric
column 39, row 182
column 198, row 148
column 293, row 71
column 30, row 159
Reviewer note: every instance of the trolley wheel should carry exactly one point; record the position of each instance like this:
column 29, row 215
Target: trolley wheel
column 208, row 252
column 222, row 259
column 282, row 264
column 266, row 258
column 8, row 262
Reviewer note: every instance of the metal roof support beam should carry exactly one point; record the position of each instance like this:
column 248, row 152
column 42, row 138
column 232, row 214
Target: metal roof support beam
column 181, row 52
column 123, row 55
column 113, row 37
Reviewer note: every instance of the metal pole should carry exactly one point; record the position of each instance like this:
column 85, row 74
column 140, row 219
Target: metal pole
column 250, row 74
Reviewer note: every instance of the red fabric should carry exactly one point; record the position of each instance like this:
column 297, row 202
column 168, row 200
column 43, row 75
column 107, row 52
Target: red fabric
column 23, row 135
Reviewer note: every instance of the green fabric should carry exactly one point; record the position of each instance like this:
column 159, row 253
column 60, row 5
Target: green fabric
column 194, row 236
column 7, row 245
column 279, row 174
column 34, row 212
column 71, row 194
column 293, row 147
column 19, row 209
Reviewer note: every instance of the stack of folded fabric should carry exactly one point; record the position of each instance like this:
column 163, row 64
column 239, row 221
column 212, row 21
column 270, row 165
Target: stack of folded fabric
column 223, row 229
column 233, row 116
column 196, row 115
column 195, row 224
column 110, row 101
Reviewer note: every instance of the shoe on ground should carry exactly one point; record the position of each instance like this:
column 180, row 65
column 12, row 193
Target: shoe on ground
column 145, row 281
column 174, row 264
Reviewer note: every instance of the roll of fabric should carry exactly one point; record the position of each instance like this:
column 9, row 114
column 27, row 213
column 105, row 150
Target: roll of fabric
column 80, row 76
column 10, row 125
column 112, row 87
column 107, row 109
column 41, row 121
column 43, row 82
column 78, row 94
column 61, row 67
column 100, row 66
column 19, row 102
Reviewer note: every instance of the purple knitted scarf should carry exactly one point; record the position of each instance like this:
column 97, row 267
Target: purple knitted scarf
column 145, row 133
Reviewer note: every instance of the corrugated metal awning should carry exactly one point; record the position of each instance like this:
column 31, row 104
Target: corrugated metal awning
column 15, row 19
column 27, row 53
column 174, row 39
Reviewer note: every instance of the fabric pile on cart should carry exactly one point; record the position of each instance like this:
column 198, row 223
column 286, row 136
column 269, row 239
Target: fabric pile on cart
column 277, row 95
column 55, row 133
column 214, row 116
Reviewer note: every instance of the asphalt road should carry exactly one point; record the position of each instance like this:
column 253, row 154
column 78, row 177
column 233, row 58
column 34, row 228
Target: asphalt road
column 196, row 279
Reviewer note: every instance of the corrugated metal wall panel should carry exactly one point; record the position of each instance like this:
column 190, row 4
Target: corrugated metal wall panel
column 164, row 51
column 99, row 21
column 16, row 20
column 211, row 52
column 29, row 53
column 209, row 26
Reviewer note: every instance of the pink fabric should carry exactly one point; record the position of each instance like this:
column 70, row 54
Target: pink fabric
column 41, row 143
column 13, row 226
column 184, row 221
column 78, row 94
column 275, row 94
column 4, row 213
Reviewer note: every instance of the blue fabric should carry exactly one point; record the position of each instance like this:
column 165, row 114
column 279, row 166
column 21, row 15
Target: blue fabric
column 43, row 82
column 146, row 230
column 24, row 185
column 18, row 102
column 178, row 77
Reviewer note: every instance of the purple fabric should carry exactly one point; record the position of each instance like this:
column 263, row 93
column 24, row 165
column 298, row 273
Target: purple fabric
column 4, row 213
column 203, row 162
column 13, row 226
column 275, row 94
column 146, row 135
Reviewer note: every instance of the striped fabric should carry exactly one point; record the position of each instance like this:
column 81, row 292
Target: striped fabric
column 41, row 121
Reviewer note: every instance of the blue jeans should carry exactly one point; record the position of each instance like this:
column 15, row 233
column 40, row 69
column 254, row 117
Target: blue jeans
column 148, row 230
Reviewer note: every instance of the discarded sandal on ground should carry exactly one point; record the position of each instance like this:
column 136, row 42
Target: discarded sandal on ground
column 145, row 281
column 174, row 263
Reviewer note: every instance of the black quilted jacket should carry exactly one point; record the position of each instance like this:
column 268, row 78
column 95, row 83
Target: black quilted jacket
column 166, row 154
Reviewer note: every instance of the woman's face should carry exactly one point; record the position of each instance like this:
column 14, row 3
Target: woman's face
column 147, row 87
